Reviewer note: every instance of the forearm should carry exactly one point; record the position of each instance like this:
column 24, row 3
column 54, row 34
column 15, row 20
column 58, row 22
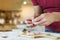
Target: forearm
column 37, row 11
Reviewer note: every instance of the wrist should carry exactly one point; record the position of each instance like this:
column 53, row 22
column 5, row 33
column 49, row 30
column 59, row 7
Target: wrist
column 36, row 15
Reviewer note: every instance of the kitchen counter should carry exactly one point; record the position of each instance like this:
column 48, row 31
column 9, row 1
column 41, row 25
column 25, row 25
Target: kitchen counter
column 13, row 35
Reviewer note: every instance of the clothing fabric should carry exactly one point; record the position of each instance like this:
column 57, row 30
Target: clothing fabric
column 51, row 31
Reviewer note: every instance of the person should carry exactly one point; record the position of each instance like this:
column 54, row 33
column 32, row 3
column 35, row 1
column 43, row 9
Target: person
column 46, row 13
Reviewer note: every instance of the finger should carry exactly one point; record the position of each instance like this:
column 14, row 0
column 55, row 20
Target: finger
column 46, row 23
column 28, row 22
column 40, row 22
column 43, row 20
column 39, row 18
column 43, row 24
column 28, row 19
column 30, row 25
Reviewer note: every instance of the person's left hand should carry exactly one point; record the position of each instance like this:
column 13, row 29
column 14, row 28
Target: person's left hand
column 45, row 19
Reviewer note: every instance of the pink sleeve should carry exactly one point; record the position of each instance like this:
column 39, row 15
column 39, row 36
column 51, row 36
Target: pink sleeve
column 34, row 2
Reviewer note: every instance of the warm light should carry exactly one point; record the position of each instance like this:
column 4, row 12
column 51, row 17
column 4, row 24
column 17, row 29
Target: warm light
column 2, row 21
column 24, row 2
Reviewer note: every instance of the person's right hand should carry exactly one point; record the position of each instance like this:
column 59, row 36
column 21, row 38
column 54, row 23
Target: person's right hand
column 29, row 22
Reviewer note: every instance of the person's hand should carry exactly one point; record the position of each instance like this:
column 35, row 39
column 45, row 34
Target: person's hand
column 29, row 22
column 45, row 19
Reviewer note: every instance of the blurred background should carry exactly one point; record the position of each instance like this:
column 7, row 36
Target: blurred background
column 12, row 12
column 27, row 9
column 25, row 5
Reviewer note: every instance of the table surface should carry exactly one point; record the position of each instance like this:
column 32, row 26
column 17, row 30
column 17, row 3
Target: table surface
column 13, row 35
